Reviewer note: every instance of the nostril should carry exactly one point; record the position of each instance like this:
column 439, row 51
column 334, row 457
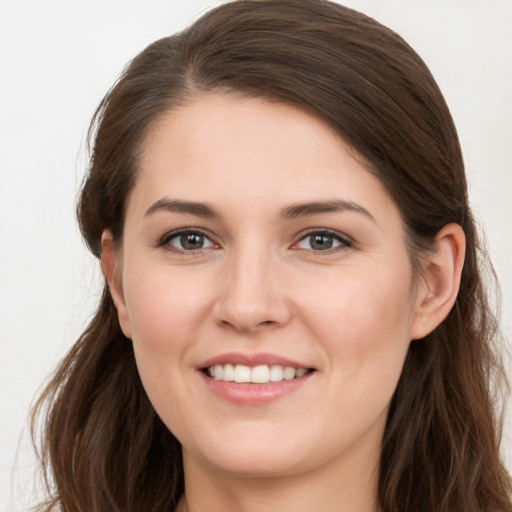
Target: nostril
column 241, row 326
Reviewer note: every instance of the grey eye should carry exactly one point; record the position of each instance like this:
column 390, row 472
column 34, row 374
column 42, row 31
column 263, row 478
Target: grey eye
column 189, row 241
column 322, row 241
column 192, row 241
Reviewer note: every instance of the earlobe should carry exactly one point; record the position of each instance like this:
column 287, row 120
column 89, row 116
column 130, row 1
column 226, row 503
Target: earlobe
column 440, row 280
column 110, row 270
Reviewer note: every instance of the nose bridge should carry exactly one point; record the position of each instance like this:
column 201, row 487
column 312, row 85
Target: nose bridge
column 252, row 296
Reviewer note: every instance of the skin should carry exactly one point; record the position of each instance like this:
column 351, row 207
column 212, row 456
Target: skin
column 259, row 285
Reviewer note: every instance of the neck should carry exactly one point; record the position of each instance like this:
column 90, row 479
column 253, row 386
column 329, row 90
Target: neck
column 330, row 489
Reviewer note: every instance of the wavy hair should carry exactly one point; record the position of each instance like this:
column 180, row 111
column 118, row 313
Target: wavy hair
column 102, row 446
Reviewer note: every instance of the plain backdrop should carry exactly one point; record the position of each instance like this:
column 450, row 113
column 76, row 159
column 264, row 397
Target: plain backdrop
column 58, row 58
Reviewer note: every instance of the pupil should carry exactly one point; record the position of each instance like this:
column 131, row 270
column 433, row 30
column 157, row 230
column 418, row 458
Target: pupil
column 321, row 242
column 192, row 241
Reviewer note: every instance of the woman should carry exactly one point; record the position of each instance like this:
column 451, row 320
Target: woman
column 293, row 315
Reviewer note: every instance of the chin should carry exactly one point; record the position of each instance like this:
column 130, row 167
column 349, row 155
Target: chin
column 259, row 465
column 262, row 454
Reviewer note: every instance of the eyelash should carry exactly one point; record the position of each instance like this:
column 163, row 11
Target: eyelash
column 343, row 241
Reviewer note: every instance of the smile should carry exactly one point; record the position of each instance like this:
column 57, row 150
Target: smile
column 260, row 374
column 254, row 379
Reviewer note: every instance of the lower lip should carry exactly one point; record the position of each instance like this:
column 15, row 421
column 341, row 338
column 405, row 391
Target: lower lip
column 249, row 393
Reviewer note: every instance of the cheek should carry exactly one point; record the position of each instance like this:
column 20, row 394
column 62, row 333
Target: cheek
column 369, row 349
column 364, row 327
column 166, row 312
column 162, row 306
column 362, row 300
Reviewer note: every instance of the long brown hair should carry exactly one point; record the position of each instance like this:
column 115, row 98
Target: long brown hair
column 102, row 445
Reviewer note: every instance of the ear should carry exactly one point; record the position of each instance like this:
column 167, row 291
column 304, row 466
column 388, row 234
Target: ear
column 439, row 283
column 110, row 270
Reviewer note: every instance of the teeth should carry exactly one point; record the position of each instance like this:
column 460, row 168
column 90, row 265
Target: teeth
column 242, row 373
column 289, row 373
column 228, row 374
column 276, row 373
column 258, row 374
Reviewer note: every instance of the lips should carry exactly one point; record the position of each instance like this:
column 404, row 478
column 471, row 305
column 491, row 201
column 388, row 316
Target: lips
column 251, row 359
column 253, row 378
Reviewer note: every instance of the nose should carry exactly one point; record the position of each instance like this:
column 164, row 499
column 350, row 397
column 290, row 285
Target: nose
column 252, row 297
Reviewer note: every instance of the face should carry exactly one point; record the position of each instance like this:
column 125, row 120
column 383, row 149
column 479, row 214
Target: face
column 266, row 285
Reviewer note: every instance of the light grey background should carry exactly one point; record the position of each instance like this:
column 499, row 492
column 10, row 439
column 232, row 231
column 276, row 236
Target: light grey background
column 58, row 58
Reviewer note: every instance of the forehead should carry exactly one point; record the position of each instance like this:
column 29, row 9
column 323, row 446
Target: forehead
column 225, row 147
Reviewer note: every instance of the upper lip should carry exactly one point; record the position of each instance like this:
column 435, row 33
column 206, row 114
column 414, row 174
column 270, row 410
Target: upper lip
column 248, row 359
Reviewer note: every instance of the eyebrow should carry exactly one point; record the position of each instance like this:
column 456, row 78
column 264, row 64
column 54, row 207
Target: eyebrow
column 187, row 207
column 291, row 212
column 298, row 210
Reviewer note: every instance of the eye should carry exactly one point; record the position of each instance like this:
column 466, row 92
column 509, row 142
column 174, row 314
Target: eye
column 186, row 240
column 322, row 240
